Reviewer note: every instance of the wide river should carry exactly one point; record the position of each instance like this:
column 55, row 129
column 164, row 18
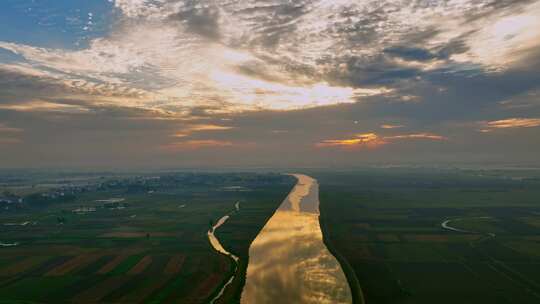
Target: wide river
column 288, row 261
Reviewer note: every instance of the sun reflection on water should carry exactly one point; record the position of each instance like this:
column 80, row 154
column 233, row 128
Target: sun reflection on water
column 289, row 261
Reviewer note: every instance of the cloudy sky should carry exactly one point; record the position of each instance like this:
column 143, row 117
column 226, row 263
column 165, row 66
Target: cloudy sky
column 169, row 83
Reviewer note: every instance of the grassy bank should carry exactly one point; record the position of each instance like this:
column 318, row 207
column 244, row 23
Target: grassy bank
column 386, row 223
column 354, row 284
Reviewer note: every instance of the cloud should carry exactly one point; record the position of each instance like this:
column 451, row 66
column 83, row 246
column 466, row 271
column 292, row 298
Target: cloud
column 187, row 131
column 411, row 53
column 416, row 136
column 9, row 135
column 4, row 128
column 367, row 140
column 510, row 123
column 192, row 75
column 529, row 100
column 505, row 38
column 140, row 8
column 44, row 106
column 200, row 20
column 372, row 140
column 390, row 126
column 176, row 54
column 26, row 83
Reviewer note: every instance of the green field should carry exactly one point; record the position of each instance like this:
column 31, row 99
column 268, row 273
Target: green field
column 386, row 224
column 150, row 248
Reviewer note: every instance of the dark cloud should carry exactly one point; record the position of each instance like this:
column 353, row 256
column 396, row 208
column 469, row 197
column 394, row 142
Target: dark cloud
column 272, row 21
column 365, row 30
column 442, row 52
column 203, row 21
column 20, row 86
column 453, row 47
column 378, row 70
column 497, row 7
column 410, row 53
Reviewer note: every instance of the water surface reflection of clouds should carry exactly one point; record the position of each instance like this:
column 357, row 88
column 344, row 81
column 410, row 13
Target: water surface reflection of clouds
column 289, row 261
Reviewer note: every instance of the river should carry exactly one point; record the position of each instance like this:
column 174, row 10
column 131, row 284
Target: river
column 288, row 261
column 446, row 225
column 219, row 248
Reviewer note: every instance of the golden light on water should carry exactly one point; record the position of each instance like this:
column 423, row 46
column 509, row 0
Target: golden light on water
column 289, row 261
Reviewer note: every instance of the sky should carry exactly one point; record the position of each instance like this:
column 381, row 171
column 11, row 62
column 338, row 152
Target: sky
column 268, row 83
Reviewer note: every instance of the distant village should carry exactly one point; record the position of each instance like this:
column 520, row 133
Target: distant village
column 9, row 200
column 66, row 190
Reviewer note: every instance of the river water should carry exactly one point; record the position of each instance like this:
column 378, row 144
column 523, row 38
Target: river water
column 288, row 261
column 219, row 248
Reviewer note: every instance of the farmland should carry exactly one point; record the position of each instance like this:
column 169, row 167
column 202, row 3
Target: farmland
column 130, row 238
column 401, row 235
column 386, row 224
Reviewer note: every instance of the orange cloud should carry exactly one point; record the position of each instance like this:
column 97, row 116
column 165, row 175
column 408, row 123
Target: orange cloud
column 201, row 127
column 391, row 126
column 417, row 136
column 367, row 140
column 8, row 132
column 44, row 106
column 372, row 140
column 510, row 123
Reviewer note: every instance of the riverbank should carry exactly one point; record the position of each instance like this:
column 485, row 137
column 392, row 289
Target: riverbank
column 354, row 284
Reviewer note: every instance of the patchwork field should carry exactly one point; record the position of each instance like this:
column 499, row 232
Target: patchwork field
column 402, row 236
column 91, row 247
column 386, row 224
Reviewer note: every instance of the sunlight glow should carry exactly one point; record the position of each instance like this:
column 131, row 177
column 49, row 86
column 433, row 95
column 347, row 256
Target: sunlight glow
column 367, row 140
column 505, row 40
column 257, row 93
column 199, row 128
column 372, row 140
column 510, row 123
